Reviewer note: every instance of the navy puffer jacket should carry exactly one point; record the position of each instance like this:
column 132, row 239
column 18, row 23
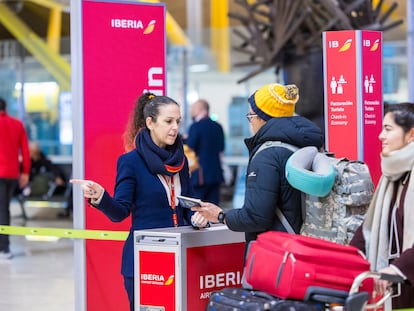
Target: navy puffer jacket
column 266, row 185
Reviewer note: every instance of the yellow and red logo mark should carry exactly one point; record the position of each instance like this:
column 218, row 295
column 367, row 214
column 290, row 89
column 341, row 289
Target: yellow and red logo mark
column 346, row 46
column 133, row 24
column 156, row 279
column 170, row 280
column 374, row 47
column 150, row 27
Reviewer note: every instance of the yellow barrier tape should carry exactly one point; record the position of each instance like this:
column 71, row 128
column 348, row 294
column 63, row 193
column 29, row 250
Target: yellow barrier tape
column 65, row 233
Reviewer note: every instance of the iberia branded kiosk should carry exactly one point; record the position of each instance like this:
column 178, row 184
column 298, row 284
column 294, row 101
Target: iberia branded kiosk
column 176, row 269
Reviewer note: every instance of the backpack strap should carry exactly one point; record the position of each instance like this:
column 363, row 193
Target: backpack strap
column 270, row 144
column 284, row 221
column 275, row 143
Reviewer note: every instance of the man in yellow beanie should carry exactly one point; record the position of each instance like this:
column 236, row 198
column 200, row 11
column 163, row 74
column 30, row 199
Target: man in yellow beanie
column 272, row 118
column 274, row 100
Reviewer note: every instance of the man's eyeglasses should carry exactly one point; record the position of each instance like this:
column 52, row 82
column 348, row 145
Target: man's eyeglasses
column 250, row 116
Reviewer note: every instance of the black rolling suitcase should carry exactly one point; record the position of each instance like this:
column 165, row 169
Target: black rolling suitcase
column 232, row 299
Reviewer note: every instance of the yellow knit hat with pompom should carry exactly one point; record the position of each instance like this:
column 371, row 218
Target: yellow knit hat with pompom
column 275, row 100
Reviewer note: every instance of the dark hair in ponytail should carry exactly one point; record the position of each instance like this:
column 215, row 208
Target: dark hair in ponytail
column 146, row 106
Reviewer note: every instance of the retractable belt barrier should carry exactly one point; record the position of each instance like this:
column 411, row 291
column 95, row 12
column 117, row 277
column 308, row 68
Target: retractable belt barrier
column 65, row 233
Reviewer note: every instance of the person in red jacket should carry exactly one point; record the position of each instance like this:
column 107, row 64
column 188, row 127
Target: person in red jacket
column 14, row 168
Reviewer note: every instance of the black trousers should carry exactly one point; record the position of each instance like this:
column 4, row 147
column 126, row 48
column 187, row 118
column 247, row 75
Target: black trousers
column 129, row 287
column 7, row 188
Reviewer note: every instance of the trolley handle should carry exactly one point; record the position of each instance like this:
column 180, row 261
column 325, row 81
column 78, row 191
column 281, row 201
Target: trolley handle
column 393, row 291
column 391, row 277
column 396, row 279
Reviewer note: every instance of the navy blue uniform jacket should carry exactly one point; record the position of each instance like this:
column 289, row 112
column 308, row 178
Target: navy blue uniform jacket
column 140, row 193
column 206, row 138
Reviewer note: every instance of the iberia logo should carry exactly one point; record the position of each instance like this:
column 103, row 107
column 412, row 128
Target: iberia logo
column 121, row 23
column 170, row 280
column 346, row 45
column 156, row 279
column 374, row 47
column 150, row 28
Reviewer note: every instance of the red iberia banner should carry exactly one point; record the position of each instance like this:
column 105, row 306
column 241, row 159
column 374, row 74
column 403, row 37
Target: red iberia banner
column 123, row 54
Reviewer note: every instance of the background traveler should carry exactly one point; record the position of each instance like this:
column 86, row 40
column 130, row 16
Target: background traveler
column 149, row 177
column 44, row 175
column 14, row 168
column 387, row 234
column 271, row 117
column 206, row 138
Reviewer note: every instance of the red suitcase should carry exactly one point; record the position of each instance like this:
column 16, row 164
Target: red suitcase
column 298, row 267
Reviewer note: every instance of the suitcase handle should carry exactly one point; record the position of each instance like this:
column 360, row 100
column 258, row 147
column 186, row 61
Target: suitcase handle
column 326, row 295
column 261, row 294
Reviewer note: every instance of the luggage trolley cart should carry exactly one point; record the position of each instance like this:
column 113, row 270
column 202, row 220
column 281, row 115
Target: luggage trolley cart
column 176, row 269
column 357, row 299
column 321, row 299
column 294, row 267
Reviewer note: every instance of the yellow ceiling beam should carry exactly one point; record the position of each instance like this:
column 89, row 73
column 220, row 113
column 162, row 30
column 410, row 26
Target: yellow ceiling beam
column 54, row 29
column 385, row 8
column 53, row 62
column 219, row 22
column 48, row 54
column 175, row 34
column 51, row 4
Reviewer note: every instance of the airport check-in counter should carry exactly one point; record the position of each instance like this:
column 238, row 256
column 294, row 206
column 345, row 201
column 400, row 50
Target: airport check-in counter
column 176, row 269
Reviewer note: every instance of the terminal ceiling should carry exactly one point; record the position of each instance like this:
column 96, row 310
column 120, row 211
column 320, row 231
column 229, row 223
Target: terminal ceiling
column 49, row 20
